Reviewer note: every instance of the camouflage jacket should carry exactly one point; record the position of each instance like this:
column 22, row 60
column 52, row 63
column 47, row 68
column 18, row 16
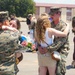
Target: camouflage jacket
column 61, row 42
column 8, row 45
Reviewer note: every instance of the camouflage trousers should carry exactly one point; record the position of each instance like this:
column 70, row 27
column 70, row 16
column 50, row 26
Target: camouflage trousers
column 61, row 65
column 7, row 73
column 61, row 69
column 8, row 69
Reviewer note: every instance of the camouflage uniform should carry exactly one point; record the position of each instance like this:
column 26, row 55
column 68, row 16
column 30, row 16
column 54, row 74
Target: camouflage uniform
column 8, row 46
column 61, row 45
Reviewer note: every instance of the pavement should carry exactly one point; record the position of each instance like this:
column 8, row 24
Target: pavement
column 29, row 64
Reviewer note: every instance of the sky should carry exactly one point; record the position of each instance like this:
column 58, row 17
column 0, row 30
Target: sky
column 56, row 1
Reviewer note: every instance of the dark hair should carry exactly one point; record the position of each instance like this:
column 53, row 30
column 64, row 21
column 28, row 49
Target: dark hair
column 73, row 22
column 18, row 24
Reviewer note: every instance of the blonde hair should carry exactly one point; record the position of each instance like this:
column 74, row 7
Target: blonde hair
column 42, row 23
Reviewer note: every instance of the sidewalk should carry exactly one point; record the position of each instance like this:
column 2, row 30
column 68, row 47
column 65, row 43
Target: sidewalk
column 29, row 65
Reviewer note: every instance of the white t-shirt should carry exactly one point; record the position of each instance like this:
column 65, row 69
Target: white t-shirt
column 48, row 40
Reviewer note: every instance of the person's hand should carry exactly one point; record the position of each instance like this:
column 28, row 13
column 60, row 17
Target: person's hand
column 9, row 28
column 33, row 47
column 13, row 29
column 24, row 43
column 42, row 50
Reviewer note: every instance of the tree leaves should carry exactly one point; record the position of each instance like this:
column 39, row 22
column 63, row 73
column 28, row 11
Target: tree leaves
column 20, row 7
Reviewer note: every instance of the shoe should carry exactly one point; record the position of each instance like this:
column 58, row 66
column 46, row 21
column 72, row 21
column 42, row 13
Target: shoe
column 73, row 64
column 34, row 51
column 29, row 51
column 28, row 32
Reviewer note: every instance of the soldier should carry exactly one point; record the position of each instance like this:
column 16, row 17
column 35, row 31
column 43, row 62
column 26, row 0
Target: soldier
column 12, row 16
column 28, row 21
column 73, row 30
column 60, row 44
column 8, row 46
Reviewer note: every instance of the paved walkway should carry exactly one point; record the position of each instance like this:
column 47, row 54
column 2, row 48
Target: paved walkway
column 29, row 65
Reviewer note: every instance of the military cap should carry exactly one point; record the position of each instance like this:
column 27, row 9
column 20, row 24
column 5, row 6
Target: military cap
column 3, row 15
column 30, row 15
column 54, row 10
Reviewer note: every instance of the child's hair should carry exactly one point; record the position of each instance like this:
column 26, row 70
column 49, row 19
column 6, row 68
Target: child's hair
column 73, row 22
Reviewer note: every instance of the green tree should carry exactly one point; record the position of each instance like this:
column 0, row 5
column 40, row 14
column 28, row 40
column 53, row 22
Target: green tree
column 19, row 7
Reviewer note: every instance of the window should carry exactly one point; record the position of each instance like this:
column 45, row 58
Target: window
column 47, row 9
column 37, row 12
column 69, row 14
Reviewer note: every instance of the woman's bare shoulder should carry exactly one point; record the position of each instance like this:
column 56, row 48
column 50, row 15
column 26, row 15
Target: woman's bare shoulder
column 51, row 29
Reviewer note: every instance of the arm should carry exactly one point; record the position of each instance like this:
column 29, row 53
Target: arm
column 59, row 33
column 55, row 46
column 59, row 42
column 9, row 28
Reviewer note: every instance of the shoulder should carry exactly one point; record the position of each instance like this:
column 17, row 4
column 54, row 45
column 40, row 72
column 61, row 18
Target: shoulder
column 51, row 30
column 62, row 23
column 9, row 34
column 34, row 19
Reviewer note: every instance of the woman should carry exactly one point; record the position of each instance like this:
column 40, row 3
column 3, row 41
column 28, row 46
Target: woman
column 43, row 35
column 16, row 24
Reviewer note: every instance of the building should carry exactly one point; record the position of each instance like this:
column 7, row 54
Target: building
column 67, row 10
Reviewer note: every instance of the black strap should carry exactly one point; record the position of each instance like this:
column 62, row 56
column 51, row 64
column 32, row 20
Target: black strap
column 46, row 42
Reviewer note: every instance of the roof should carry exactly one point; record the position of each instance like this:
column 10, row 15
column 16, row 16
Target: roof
column 56, row 1
column 53, row 4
